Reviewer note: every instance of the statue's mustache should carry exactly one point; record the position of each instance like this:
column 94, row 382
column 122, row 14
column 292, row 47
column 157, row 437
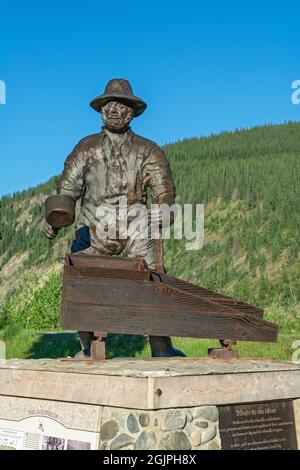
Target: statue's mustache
column 116, row 118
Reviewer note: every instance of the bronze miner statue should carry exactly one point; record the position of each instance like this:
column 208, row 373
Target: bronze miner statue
column 102, row 168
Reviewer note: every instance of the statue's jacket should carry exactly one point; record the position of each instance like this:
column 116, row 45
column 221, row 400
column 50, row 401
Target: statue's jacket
column 99, row 173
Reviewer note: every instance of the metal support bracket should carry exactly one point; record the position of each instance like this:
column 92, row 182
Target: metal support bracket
column 98, row 346
column 226, row 352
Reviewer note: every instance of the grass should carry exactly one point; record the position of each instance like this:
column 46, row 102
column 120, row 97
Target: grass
column 31, row 344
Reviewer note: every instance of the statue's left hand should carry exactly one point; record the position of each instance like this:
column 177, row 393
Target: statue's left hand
column 49, row 231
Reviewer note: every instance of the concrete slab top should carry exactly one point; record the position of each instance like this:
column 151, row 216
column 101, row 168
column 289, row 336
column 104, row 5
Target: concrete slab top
column 152, row 367
column 151, row 383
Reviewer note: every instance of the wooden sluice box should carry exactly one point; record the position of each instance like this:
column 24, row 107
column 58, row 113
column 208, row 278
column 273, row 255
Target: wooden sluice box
column 122, row 295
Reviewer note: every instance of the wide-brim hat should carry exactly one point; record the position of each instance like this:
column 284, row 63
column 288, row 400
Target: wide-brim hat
column 120, row 90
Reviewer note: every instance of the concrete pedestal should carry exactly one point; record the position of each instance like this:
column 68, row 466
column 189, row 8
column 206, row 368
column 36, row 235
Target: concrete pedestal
column 130, row 403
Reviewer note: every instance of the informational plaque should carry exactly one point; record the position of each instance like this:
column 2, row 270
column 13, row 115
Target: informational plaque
column 258, row 426
column 43, row 433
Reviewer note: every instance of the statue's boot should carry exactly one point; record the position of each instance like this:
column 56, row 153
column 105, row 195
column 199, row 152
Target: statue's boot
column 86, row 338
column 81, row 356
column 161, row 346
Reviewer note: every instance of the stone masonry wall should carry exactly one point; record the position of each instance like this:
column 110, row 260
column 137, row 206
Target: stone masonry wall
column 172, row 429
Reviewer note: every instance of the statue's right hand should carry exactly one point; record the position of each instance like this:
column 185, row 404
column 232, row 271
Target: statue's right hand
column 49, row 231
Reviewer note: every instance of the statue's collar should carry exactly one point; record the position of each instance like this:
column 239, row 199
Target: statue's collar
column 116, row 139
column 105, row 131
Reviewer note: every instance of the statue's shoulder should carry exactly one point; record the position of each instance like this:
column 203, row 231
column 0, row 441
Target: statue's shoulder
column 151, row 149
column 150, row 144
column 88, row 142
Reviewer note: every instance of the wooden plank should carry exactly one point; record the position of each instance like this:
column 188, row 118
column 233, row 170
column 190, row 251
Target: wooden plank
column 71, row 387
column 108, row 266
column 115, row 294
column 125, row 292
column 207, row 294
column 225, row 389
column 87, row 271
column 162, row 322
column 141, row 392
column 108, row 262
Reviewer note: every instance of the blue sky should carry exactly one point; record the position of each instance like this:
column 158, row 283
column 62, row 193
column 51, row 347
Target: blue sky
column 202, row 67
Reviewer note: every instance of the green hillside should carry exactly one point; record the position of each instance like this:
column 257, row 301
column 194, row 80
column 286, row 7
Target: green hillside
column 249, row 181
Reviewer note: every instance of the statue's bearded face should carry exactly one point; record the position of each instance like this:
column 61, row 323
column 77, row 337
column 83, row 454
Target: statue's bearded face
column 116, row 116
